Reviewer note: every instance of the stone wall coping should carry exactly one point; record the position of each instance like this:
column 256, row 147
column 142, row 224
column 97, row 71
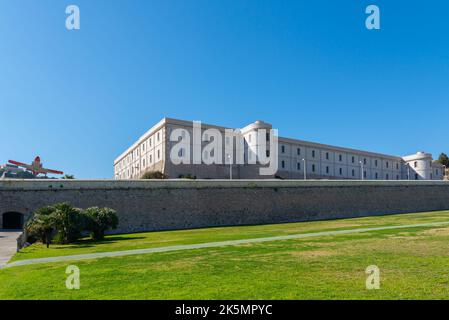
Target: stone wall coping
column 18, row 184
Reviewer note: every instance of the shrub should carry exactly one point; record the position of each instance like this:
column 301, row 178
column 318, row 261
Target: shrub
column 42, row 224
column 69, row 222
column 187, row 176
column 154, row 175
column 100, row 220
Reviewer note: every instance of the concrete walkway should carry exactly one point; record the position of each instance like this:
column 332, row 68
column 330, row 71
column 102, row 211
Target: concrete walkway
column 215, row 244
column 8, row 245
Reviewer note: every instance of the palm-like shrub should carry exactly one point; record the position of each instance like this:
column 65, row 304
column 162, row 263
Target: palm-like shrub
column 69, row 222
column 154, row 175
column 99, row 220
column 42, row 224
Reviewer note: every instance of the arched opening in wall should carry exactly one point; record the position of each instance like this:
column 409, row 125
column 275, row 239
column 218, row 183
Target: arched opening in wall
column 12, row 220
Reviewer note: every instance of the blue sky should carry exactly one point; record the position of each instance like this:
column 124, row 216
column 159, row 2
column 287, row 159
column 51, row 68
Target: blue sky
column 311, row 68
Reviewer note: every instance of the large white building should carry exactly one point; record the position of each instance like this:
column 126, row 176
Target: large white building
column 152, row 152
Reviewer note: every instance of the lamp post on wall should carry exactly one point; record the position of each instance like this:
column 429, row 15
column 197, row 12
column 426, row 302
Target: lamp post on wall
column 230, row 167
column 362, row 173
column 305, row 168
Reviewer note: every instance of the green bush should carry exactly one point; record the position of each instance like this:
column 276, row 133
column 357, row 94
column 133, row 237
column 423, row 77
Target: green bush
column 187, row 176
column 42, row 225
column 154, row 175
column 69, row 222
column 100, row 220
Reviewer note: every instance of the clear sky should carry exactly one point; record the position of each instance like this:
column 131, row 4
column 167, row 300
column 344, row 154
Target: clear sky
column 311, row 68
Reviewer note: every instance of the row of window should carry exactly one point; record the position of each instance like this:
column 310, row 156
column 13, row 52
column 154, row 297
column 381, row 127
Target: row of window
column 340, row 170
column 340, row 157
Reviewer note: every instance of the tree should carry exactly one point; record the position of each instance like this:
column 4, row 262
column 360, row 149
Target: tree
column 42, row 224
column 69, row 222
column 68, row 177
column 99, row 220
column 444, row 159
column 154, row 175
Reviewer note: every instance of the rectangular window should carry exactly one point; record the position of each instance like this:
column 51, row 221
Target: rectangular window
column 313, row 168
column 267, row 153
column 283, row 164
column 340, row 157
column 327, row 155
column 341, row 171
column 283, row 149
column 388, row 164
column 298, row 166
column 313, row 153
column 353, row 172
column 327, row 169
column 298, row 151
column 353, row 159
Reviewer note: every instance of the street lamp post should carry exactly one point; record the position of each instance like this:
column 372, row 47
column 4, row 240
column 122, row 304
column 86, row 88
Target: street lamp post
column 230, row 167
column 305, row 169
column 362, row 173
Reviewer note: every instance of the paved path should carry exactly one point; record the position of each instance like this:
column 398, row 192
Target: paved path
column 215, row 244
column 8, row 245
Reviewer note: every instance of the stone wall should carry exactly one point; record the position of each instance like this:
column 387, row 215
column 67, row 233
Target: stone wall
column 178, row 204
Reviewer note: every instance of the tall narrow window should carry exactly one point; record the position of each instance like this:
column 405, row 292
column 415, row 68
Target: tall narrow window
column 283, row 149
column 283, row 164
column 313, row 168
column 327, row 169
column 313, row 153
column 341, row 171
column 340, row 158
column 298, row 151
column 298, row 166
column 327, row 155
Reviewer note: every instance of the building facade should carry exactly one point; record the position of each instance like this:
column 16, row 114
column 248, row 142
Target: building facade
column 296, row 159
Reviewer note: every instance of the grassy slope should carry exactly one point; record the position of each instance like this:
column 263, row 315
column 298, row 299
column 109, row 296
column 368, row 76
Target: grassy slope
column 413, row 264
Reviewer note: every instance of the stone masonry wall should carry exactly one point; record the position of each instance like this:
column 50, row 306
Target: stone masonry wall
column 179, row 204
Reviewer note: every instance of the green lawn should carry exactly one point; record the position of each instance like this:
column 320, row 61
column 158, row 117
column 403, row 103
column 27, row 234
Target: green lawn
column 414, row 263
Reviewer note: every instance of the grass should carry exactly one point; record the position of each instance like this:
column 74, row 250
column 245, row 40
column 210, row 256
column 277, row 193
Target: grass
column 413, row 264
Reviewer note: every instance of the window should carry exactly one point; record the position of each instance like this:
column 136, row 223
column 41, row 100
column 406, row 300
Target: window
column 415, row 164
column 416, row 176
column 327, row 155
column 158, row 136
column 151, row 140
column 267, row 153
column 298, row 151
column 364, row 174
column 151, row 158
column 327, row 169
column 267, row 136
column 364, row 161
column 313, row 168
column 377, row 175
column 353, row 159
column 353, row 172
column 158, row 154
column 313, row 153
column 298, row 166
column 283, row 149
column 437, row 172
column 397, row 177
column 375, row 163
column 340, row 158
column 388, row 164
column 143, row 163
column 387, row 176
column 397, row 166
column 341, row 171
column 283, row 164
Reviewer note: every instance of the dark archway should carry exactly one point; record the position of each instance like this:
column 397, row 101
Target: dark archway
column 12, row 220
